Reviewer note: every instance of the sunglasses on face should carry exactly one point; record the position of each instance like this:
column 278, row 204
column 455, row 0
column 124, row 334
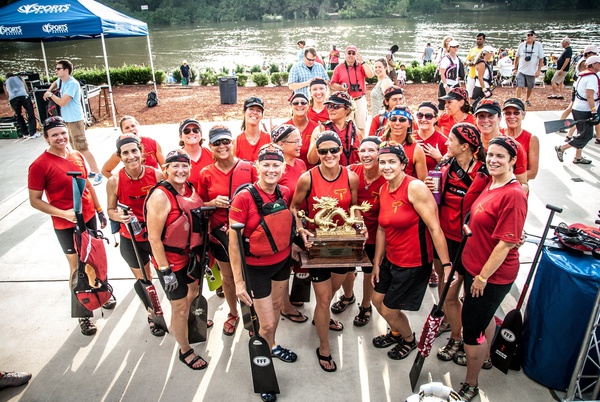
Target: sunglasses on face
column 454, row 46
column 223, row 141
column 394, row 119
column 426, row 116
column 350, row 53
column 517, row 113
column 310, row 59
column 190, row 130
column 529, row 34
column 331, row 106
column 298, row 103
column 325, row 151
column 58, row 68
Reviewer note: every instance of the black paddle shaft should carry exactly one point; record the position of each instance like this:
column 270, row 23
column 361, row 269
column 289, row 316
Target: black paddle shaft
column 537, row 255
column 136, row 250
column 238, row 227
column 466, row 234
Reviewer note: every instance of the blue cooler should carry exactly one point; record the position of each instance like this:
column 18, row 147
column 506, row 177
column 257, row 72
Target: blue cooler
column 558, row 311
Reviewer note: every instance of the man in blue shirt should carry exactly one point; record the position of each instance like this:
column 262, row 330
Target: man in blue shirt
column 303, row 72
column 71, row 111
column 19, row 100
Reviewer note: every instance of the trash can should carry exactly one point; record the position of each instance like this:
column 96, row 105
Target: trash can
column 228, row 89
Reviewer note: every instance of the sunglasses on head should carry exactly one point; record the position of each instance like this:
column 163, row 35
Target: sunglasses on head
column 351, row 53
column 333, row 106
column 298, row 103
column 190, row 130
column 223, row 141
column 515, row 113
column 325, row 151
column 394, row 119
column 426, row 116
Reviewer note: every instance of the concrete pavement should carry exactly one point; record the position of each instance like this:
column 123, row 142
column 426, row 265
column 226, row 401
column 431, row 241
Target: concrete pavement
column 124, row 362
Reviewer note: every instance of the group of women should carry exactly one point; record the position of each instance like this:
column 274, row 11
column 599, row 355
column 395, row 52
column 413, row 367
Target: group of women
column 320, row 152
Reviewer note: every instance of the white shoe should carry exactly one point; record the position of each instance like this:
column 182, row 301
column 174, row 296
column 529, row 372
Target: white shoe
column 97, row 179
column 36, row 135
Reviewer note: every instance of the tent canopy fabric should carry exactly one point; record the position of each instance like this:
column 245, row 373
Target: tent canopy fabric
column 55, row 20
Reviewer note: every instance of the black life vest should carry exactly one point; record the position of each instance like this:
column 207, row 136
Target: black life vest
column 350, row 149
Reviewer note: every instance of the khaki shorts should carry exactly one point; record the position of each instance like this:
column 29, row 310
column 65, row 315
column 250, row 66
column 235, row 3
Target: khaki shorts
column 559, row 77
column 77, row 135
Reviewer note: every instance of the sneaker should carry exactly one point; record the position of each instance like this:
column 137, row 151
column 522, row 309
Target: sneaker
column 528, row 103
column 433, row 279
column 468, row 392
column 582, row 161
column 559, row 152
column 110, row 304
column 87, row 327
column 14, row 379
column 97, row 178
column 36, row 135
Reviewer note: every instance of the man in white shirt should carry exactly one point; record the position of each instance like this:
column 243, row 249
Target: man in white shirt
column 528, row 65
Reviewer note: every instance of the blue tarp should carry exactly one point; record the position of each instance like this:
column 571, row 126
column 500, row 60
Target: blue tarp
column 55, row 20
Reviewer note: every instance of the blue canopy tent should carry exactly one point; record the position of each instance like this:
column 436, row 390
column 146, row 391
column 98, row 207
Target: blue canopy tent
column 58, row 20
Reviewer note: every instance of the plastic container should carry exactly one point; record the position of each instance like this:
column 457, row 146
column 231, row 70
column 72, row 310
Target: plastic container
column 228, row 90
column 436, row 175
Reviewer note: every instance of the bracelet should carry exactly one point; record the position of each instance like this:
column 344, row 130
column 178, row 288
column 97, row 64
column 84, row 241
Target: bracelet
column 165, row 269
column 299, row 230
column 481, row 279
column 99, row 209
column 448, row 264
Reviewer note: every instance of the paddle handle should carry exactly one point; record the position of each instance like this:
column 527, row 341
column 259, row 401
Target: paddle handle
column 238, row 227
column 136, row 250
column 553, row 209
column 466, row 233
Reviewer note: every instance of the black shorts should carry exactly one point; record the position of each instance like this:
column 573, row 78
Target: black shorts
column 219, row 248
column 585, row 131
column 370, row 252
column 126, row 249
column 452, row 250
column 182, row 290
column 478, row 312
column 260, row 277
column 66, row 239
column 323, row 274
column 404, row 288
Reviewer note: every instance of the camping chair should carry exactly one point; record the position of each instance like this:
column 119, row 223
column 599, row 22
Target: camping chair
column 505, row 78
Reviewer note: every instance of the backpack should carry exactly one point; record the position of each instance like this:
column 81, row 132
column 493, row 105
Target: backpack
column 90, row 284
column 152, row 99
column 52, row 108
column 277, row 228
column 455, row 71
column 579, row 237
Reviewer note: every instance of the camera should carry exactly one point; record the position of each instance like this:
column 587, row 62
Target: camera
column 355, row 88
column 528, row 58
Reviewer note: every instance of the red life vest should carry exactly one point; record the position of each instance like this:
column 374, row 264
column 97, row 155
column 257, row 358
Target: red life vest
column 350, row 142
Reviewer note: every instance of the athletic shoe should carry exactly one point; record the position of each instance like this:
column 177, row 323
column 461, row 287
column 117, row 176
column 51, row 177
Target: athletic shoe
column 110, row 304
column 582, row 161
column 433, row 279
column 36, row 135
column 559, row 152
column 14, row 379
column 97, row 178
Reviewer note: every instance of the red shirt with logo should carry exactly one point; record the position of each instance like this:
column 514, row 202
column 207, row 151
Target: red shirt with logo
column 446, row 122
column 370, row 193
column 244, row 150
column 149, row 152
column 133, row 192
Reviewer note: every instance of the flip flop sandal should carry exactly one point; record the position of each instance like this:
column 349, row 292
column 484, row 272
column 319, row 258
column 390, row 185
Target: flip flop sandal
column 284, row 354
column 328, row 359
column 363, row 317
column 230, row 324
column 190, row 364
column 342, row 304
column 299, row 317
column 154, row 330
column 333, row 325
column 297, row 304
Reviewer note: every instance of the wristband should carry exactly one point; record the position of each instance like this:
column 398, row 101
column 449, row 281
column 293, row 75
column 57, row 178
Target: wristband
column 448, row 264
column 166, row 270
column 99, row 209
column 481, row 279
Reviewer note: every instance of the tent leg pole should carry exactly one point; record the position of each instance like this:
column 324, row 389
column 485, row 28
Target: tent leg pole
column 45, row 61
column 112, row 101
column 152, row 64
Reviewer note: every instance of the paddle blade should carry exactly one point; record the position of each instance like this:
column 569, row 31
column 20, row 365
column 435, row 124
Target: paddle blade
column 140, row 290
column 556, row 125
column 261, row 363
column 197, row 320
column 505, row 345
column 246, row 316
column 147, row 293
column 415, row 371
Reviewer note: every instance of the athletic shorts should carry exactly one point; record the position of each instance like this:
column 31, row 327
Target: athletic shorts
column 452, row 250
column 370, row 252
column 527, row 81
column 126, row 249
column 182, row 290
column 404, row 288
column 219, row 247
column 559, row 77
column 260, row 277
column 65, row 236
column 477, row 312
column 77, row 135
column 323, row 274
column 585, row 131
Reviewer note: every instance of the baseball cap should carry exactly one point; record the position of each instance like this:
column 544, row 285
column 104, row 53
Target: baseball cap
column 532, row 32
column 488, row 105
column 456, row 93
column 351, row 47
column 186, row 123
column 339, row 98
column 591, row 60
column 488, row 49
column 254, row 101
column 514, row 102
column 591, row 49
column 453, row 43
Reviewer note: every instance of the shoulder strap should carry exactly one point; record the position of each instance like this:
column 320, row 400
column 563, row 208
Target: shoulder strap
column 256, row 197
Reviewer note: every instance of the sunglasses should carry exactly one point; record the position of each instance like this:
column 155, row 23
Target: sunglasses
column 331, row 106
column 220, row 142
column 325, row 151
column 426, row 116
column 517, row 113
column 394, row 119
column 351, row 53
column 310, row 59
column 58, row 68
column 190, row 130
column 529, row 34
column 454, row 46
column 298, row 103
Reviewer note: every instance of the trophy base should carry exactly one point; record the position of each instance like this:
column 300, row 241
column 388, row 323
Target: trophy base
column 335, row 251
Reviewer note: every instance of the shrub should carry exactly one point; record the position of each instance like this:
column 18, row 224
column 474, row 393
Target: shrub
column 414, row 64
column 256, row 69
column 285, row 76
column 274, row 68
column 276, row 79
column 372, row 80
column 289, row 67
column 239, row 69
column 549, row 75
column 413, row 74
column 242, row 80
column 428, row 72
column 208, row 77
column 260, row 79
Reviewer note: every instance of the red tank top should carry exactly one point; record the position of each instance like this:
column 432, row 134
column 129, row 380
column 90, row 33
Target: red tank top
column 133, row 192
column 350, row 142
column 306, row 135
column 245, row 150
column 320, row 117
column 338, row 188
column 407, row 239
column 370, row 193
column 149, row 152
column 205, row 159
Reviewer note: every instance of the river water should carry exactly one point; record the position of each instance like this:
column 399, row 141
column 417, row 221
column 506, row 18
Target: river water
column 252, row 42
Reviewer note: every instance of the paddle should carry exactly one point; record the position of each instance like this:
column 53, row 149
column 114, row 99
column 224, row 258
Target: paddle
column 433, row 321
column 144, row 287
column 503, row 351
column 198, row 315
column 263, row 370
column 557, row 125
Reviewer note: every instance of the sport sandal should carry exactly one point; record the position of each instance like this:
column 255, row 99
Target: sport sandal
column 468, row 392
column 363, row 317
column 191, row 363
column 386, row 340
column 87, row 327
column 582, row 161
column 342, row 304
column 452, row 347
column 402, row 349
column 283, row 354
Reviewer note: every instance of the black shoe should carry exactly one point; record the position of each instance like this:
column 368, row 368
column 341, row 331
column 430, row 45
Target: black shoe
column 14, row 379
column 386, row 340
column 110, row 304
column 402, row 349
column 342, row 304
column 268, row 397
column 87, row 327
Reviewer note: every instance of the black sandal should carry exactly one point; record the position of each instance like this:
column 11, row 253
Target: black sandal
column 154, row 330
column 342, row 304
column 190, row 364
column 386, row 340
column 363, row 317
column 328, row 359
column 402, row 349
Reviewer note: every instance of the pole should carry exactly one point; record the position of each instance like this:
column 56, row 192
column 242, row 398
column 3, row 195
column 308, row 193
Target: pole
column 45, row 61
column 152, row 63
column 112, row 101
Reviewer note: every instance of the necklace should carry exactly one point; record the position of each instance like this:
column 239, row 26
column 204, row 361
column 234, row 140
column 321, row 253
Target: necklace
column 399, row 184
column 368, row 182
column 140, row 175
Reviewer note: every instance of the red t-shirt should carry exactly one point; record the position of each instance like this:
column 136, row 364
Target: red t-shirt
column 338, row 188
column 320, row 117
column 204, row 160
column 306, row 136
column 48, row 173
column 213, row 182
column 435, row 140
column 292, row 174
column 149, row 152
column 243, row 210
column 350, row 75
column 446, row 122
column 407, row 238
column 497, row 214
column 369, row 193
column 133, row 194
column 244, row 150
column 376, row 122
column 524, row 140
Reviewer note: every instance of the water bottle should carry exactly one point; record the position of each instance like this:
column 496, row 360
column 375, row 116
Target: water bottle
column 135, row 225
column 436, row 175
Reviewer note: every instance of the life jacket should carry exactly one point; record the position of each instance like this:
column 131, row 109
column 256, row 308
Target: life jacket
column 277, row 228
column 488, row 66
column 350, row 147
column 579, row 237
column 585, row 74
column 178, row 237
column 455, row 71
